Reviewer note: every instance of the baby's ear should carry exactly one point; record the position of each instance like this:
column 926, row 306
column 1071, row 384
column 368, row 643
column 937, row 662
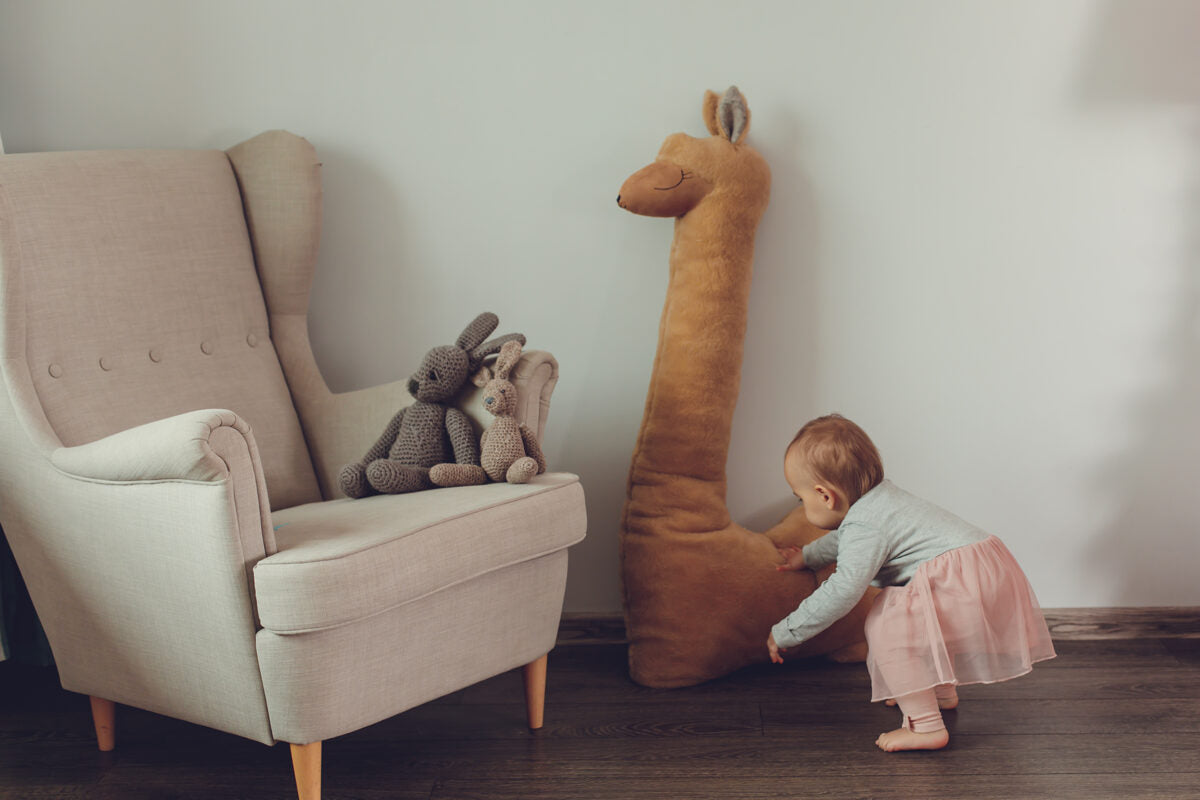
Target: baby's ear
column 481, row 377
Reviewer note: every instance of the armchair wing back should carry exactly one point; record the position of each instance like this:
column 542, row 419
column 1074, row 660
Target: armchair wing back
column 150, row 308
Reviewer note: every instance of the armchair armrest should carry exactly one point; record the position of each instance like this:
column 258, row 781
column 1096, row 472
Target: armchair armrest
column 175, row 448
column 146, row 544
column 208, row 446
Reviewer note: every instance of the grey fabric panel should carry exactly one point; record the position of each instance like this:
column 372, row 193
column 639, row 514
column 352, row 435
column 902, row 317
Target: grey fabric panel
column 327, row 683
column 344, row 560
column 140, row 300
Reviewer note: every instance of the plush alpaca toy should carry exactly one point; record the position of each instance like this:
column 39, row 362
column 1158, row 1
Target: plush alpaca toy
column 429, row 431
column 702, row 592
column 510, row 449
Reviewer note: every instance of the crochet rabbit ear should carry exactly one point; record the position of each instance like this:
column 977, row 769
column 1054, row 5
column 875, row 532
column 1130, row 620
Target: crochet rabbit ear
column 510, row 354
column 493, row 346
column 482, row 377
column 477, row 331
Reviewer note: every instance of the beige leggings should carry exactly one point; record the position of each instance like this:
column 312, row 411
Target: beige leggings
column 920, row 710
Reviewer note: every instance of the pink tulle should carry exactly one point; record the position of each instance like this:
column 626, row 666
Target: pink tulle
column 967, row 616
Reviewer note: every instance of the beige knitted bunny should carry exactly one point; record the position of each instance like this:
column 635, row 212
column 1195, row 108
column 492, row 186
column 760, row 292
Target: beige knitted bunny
column 510, row 450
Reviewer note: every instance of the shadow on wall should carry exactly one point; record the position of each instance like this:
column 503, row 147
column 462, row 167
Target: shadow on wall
column 1144, row 56
column 367, row 281
column 783, row 326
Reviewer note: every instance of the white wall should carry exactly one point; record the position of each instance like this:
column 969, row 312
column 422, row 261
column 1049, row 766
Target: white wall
column 982, row 243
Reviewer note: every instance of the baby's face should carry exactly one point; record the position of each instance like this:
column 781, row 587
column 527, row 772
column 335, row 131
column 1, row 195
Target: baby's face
column 820, row 501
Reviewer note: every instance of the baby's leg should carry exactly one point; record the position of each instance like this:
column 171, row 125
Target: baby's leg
column 947, row 697
column 922, row 728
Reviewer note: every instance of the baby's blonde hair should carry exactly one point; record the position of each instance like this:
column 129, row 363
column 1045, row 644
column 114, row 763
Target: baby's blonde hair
column 839, row 452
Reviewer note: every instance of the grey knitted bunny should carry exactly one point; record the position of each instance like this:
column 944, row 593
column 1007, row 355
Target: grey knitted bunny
column 510, row 449
column 429, row 431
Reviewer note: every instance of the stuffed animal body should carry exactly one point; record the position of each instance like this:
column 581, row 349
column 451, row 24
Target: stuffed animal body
column 702, row 592
column 509, row 449
column 430, row 431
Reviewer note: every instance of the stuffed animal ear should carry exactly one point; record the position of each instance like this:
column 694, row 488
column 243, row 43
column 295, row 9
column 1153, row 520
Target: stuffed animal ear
column 733, row 115
column 482, row 377
column 477, row 331
column 493, row 346
column 510, row 354
column 711, row 101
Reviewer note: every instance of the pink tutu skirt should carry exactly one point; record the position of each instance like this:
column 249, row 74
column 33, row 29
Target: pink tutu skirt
column 967, row 616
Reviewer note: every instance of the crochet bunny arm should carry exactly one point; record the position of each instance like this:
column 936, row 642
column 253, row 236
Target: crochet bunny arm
column 532, row 448
column 462, row 437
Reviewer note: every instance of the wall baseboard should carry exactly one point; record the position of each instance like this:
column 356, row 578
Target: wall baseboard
column 1159, row 622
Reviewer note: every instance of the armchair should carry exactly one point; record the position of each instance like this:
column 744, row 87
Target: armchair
column 169, row 456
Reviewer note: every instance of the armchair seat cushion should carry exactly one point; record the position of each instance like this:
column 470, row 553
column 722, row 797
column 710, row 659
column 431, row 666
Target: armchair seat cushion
column 344, row 560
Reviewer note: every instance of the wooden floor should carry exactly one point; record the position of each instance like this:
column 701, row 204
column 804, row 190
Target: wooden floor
column 1106, row 719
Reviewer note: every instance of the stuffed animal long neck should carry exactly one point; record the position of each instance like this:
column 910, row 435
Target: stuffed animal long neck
column 701, row 592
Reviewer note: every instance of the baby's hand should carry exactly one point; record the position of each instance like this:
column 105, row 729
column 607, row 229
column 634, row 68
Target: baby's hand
column 773, row 649
column 793, row 558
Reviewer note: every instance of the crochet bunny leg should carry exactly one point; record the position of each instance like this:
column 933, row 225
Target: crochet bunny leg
column 353, row 480
column 521, row 470
column 389, row 477
column 457, row 475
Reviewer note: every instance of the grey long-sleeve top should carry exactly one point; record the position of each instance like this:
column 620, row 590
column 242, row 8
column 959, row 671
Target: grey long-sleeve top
column 884, row 537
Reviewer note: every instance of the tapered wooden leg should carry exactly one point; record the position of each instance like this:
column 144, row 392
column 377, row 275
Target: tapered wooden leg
column 306, row 762
column 535, row 691
column 104, row 717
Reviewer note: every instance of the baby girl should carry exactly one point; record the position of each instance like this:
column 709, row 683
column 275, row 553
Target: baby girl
column 956, row 608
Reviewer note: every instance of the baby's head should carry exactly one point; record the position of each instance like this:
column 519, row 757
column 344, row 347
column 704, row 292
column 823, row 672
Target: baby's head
column 830, row 464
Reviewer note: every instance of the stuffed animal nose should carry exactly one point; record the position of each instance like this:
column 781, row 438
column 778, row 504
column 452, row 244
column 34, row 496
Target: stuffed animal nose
column 489, row 400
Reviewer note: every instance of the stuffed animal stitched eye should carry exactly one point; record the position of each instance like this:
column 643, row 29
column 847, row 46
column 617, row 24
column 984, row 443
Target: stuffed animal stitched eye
column 683, row 176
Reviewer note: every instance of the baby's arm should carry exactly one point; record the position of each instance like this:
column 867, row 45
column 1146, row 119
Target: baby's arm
column 822, row 552
column 862, row 552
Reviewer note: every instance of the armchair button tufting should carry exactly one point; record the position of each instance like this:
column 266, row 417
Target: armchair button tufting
column 206, row 348
column 155, row 355
column 56, row 370
column 105, row 364
column 252, row 340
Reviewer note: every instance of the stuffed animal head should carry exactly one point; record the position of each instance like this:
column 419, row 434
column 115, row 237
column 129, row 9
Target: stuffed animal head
column 444, row 370
column 499, row 395
column 689, row 170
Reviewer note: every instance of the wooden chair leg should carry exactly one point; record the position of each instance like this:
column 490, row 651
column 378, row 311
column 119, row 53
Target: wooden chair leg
column 104, row 717
column 535, row 691
column 306, row 763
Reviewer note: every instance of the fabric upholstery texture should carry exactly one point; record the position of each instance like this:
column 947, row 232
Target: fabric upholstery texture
column 180, row 325
column 161, row 413
column 413, row 653
column 343, row 560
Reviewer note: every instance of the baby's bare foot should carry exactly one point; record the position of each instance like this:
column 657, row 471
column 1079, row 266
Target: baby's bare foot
column 904, row 739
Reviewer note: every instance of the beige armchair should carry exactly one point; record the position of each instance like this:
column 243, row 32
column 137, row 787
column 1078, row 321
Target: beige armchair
column 168, row 463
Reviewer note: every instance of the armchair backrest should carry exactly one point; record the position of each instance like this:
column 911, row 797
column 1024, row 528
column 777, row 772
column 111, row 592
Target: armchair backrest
column 131, row 294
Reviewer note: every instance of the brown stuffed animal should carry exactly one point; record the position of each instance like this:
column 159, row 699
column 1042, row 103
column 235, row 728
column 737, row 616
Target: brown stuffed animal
column 702, row 592
column 510, row 450
column 430, row 432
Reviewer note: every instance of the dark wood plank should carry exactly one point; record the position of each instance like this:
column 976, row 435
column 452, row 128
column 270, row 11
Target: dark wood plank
column 576, row 720
column 1108, row 719
column 830, row 787
column 1007, row 717
column 1064, row 623
column 843, row 752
